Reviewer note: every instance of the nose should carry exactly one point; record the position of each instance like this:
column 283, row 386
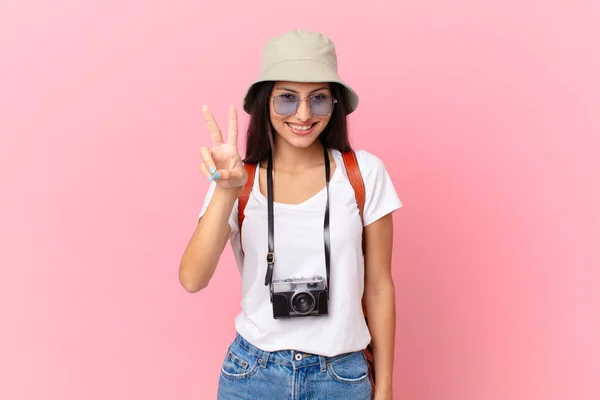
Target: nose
column 303, row 112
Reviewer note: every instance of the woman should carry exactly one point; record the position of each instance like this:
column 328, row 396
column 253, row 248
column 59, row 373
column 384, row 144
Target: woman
column 302, row 232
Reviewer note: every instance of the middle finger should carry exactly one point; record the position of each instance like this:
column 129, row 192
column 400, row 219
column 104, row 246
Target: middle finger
column 233, row 126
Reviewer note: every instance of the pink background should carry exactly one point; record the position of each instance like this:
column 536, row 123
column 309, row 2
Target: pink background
column 486, row 114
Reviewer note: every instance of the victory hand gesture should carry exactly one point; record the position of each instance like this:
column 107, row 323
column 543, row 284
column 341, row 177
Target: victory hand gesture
column 223, row 163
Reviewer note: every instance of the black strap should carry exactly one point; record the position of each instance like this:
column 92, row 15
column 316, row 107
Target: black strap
column 271, row 253
column 271, row 240
column 326, row 235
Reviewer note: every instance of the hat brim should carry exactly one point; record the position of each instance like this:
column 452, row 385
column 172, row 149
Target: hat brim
column 304, row 71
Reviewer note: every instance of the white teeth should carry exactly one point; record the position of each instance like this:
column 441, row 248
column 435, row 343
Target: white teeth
column 300, row 128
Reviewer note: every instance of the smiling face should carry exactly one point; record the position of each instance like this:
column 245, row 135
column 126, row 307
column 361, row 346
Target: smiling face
column 299, row 127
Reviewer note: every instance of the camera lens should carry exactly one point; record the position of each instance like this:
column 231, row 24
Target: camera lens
column 303, row 302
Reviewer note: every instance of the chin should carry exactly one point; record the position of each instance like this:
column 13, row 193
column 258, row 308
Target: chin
column 300, row 142
column 303, row 144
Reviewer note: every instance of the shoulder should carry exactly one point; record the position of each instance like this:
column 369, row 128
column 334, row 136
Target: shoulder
column 370, row 165
column 368, row 159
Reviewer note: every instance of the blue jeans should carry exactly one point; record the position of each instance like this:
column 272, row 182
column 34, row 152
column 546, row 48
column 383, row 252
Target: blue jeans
column 249, row 373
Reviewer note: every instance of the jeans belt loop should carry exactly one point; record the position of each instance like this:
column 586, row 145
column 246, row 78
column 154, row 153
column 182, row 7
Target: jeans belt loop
column 323, row 363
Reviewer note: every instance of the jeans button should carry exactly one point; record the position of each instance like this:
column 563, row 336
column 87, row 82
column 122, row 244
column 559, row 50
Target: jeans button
column 298, row 356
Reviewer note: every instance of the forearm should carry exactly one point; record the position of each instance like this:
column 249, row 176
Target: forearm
column 381, row 313
column 204, row 249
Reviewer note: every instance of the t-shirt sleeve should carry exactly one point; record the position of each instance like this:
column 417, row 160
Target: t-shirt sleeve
column 233, row 220
column 381, row 196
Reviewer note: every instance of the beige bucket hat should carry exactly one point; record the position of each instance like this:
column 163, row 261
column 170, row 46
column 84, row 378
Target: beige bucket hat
column 301, row 56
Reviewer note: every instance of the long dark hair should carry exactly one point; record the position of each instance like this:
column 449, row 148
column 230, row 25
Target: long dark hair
column 260, row 139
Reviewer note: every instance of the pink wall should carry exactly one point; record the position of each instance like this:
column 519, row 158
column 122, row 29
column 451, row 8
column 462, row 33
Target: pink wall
column 486, row 115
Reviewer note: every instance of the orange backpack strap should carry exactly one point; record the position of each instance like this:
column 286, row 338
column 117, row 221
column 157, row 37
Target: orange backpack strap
column 358, row 184
column 356, row 180
column 245, row 194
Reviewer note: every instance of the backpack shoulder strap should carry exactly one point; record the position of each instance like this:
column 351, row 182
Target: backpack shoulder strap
column 358, row 184
column 245, row 194
column 356, row 180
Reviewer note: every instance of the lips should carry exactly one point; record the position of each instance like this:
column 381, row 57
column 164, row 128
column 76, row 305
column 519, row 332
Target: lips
column 301, row 130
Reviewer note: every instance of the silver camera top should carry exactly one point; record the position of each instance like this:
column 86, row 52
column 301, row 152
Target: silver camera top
column 316, row 282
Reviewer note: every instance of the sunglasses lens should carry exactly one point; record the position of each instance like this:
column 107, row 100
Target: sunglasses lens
column 321, row 105
column 285, row 105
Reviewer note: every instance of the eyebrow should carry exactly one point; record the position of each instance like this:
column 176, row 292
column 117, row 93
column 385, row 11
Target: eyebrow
column 295, row 91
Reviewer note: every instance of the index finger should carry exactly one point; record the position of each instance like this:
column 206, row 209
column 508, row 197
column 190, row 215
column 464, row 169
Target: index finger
column 215, row 132
column 232, row 135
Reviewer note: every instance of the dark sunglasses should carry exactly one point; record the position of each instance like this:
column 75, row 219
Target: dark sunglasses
column 319, row 104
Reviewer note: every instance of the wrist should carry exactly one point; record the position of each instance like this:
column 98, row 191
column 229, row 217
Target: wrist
column 225, row 198
column 383, row 385
column 229, row 192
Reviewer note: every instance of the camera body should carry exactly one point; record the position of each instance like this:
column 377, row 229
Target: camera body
column 300, row 297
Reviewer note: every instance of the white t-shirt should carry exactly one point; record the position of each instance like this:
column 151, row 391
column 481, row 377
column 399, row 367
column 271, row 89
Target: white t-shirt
column 299, row 252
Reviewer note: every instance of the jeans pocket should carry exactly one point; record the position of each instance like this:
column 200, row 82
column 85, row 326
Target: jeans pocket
column 239, row 363
column 351, row 368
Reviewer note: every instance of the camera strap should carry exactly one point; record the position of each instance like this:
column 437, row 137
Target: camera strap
column 271, row 240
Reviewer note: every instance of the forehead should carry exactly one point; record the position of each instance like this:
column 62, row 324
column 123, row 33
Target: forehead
column 301, row 87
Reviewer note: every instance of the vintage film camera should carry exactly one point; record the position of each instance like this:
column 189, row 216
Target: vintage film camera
column 299, row 297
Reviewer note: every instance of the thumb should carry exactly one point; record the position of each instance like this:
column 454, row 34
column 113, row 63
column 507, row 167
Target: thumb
column 238, row 173
column 234, row 176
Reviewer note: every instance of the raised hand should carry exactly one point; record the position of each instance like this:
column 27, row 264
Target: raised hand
column 223, row 162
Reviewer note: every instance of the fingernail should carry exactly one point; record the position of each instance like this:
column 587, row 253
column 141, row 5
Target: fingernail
column 212, row 170
column 216, row 176
column 205, row 107
column 210, row 178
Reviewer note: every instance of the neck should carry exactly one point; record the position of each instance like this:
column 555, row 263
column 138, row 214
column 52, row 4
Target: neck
column 290, row 158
